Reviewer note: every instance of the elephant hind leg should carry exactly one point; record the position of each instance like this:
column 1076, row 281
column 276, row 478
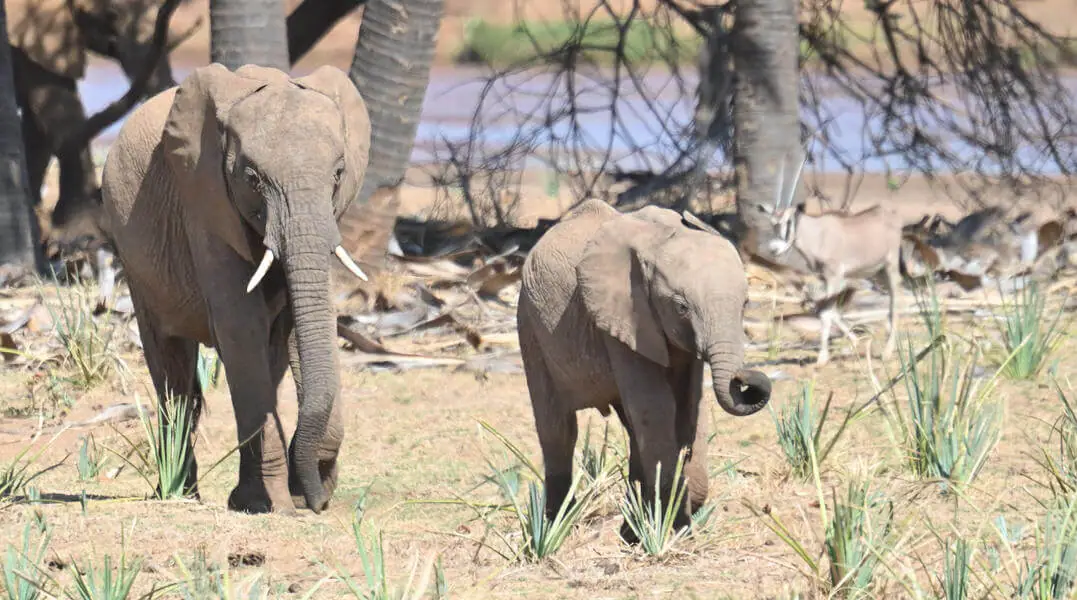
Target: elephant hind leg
column 557, row 432
column 172, row 363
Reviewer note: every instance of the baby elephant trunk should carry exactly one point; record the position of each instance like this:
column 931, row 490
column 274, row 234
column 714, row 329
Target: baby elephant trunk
column 740, row 392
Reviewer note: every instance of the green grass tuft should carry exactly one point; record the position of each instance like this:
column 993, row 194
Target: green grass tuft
column 956, row 570
column 653, row 523
column 23, row 578
column 375, row 583
column 104, row 582
column 857, row 538
column 89, row 342
column 799, row 427
column 1029, row 335
column 947, row 426
column 164, row 455
column 1050, row 576
column 17, row 475
column 91, row 460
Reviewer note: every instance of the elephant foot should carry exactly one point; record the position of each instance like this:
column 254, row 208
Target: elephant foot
column 255, row 499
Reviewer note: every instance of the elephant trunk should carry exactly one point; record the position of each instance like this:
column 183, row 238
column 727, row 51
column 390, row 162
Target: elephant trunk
column 306, row 257
column 740, row 392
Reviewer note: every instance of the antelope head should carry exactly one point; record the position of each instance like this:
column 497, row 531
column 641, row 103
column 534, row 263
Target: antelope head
column 784, row 215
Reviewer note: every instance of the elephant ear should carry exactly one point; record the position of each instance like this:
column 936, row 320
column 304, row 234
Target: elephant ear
column 192, row 136
column 46, row 31
column 192, row 143
column 613, row 285
column 335, row 84
column 659, row 215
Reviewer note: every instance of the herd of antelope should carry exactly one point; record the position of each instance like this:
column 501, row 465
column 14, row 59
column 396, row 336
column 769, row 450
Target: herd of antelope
column 992, row 243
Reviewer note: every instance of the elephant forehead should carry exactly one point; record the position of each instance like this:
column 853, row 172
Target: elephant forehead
column 689, row 259
column 280, row 117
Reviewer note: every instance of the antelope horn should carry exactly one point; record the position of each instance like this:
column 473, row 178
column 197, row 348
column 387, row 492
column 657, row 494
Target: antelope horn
column 796, row 180
column 778, row 188
column 263, row 268
column 347, row 261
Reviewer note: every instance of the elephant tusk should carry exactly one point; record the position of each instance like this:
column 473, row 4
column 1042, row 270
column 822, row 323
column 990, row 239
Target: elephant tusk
column 263, row 268
column 347, row 261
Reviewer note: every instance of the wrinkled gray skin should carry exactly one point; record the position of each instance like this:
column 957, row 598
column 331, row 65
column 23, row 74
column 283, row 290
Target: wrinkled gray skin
column 200, row 182
column 621, row 310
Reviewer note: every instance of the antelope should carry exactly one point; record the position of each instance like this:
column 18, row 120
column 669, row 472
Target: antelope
column 837, row 246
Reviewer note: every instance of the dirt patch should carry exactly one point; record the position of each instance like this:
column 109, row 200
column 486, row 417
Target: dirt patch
column 416, row 455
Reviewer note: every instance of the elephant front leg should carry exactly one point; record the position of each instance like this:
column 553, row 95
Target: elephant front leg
column 650, row 405
column 687, row 380
column 263, row 462
column 241, row 330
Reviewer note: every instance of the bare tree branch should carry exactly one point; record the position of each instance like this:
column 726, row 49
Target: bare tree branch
column 311, row 20
column 966, row 87
column 104, row 118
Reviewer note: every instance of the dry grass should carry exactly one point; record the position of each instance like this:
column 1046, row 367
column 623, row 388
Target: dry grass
column 426, row 470
column 413, row 439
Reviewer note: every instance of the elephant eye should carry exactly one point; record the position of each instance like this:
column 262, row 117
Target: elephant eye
column 682, row 306
column 252, row 177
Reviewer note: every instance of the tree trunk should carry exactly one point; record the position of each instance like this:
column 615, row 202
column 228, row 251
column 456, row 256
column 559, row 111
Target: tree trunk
column 391, row 68
column 17, row 225
column 311, row 20
column 248, row 32
column 766, row 115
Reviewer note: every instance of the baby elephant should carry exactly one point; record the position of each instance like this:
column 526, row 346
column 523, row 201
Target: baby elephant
column 621, row 310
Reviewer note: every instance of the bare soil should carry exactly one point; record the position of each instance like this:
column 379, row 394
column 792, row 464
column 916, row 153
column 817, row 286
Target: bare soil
column 414, row 442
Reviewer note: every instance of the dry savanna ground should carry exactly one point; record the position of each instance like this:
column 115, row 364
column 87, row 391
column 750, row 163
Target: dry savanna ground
column 422, row 462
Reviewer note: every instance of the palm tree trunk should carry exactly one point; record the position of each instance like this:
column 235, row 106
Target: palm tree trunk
column 248, row 32
column 311, row 20
column 17, row 226
column 391, row 68
column 766, row 115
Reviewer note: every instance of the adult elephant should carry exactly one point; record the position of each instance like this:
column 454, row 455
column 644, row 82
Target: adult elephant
column 203, row 181
column 621, row 310
column 50, row 42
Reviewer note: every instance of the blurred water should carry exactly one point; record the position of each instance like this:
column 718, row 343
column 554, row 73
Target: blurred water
column 653, row 120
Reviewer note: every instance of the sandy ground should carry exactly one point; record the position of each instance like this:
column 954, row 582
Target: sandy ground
column 414, row 445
